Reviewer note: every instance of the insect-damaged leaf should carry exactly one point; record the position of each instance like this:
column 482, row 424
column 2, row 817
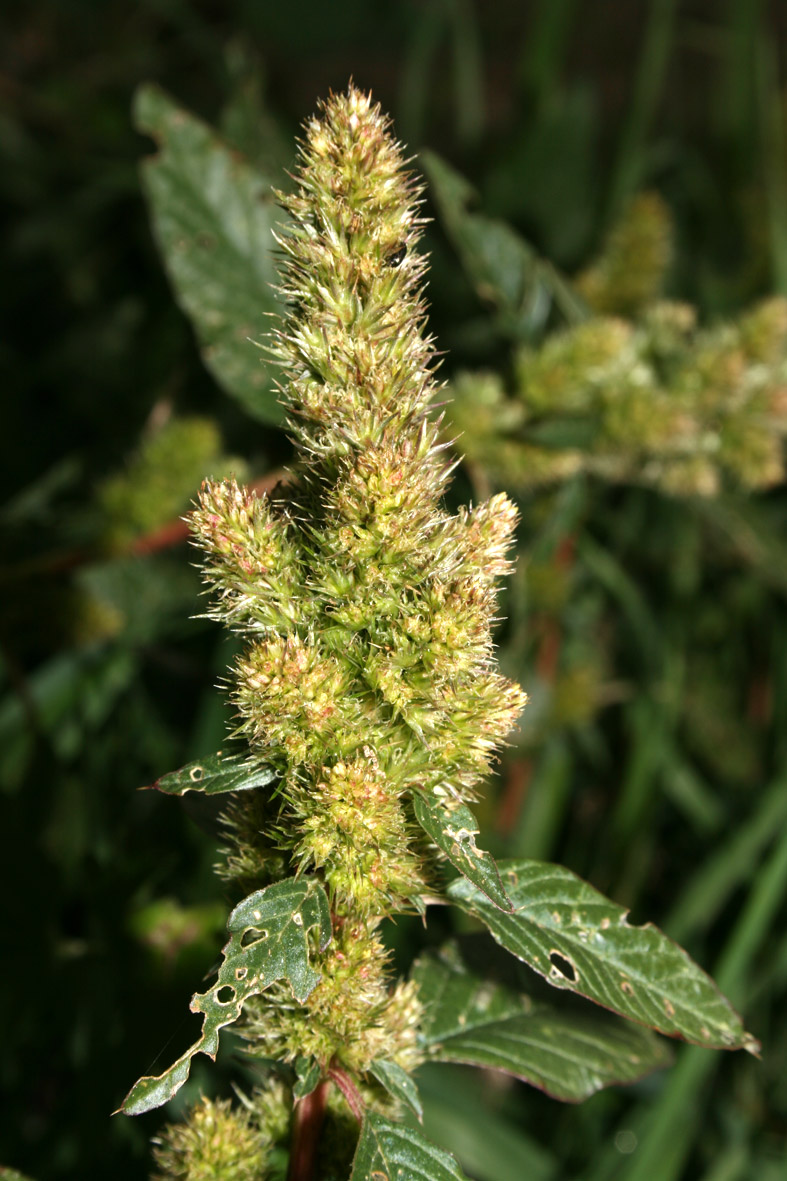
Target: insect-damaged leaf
column 453, row 830
column 579, row 940
column 398, row 1083
column 269, row 941
column 213, row 215
column 398, row 1153
column 570, row 1055
column 214, row 775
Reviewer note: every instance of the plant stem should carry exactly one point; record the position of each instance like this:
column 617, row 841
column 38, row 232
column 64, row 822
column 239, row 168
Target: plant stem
column 307, row 1126
column 345, row 1085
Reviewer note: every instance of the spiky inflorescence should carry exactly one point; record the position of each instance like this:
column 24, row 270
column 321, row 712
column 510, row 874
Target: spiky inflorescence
column 637, row 392
column 629, row 273
column 659, row 402
column 220, row 1140
column 369, row 673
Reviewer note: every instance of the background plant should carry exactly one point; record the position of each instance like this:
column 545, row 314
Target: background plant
column 675, row 632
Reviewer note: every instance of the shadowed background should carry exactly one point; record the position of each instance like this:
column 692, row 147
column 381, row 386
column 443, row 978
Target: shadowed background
column 649, row 629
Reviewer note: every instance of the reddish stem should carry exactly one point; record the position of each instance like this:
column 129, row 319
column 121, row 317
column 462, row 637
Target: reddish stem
column 309, row 1114
column 520, row 772
column 348, row 1089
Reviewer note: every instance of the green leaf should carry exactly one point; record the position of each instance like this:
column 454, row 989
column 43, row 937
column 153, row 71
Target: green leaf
column 214, row 775
column 213, row 216
column 453, row 831
column 397, row 1153
column 503, row 267
column 398, row 1083
column 278, row 919
column 570, row 1055
column 66, row 700
column 579, row 940
column 146, row 598
column 308, row 1073
column 492, row 1148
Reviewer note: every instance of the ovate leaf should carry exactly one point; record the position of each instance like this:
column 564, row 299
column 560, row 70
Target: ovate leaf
column 579, row 940
column 217, row 773
column 569, row 1055
column 398, row 1083
column 269, row 941
column 453, row 830
column 392, row 1152
column 213, row 214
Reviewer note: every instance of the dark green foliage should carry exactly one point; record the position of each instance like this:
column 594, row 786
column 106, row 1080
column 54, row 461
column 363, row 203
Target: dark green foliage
column 213, row 213
column 648, row 632
column 367, row 682
column 569, row 1054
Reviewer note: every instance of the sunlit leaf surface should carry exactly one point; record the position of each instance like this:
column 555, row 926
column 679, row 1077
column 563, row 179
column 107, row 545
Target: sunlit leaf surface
column 398, row 1083
column 579, row 940
column 454, row 832
column 215, row 774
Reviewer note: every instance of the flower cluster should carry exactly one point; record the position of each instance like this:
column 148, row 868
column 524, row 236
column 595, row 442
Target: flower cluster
column 368, row 674
column 637, row 392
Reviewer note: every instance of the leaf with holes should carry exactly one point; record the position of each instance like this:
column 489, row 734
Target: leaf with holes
column 398, row 1083
column 270, row 935
column 213, row 216
column 214, row 775
column 579, row 940
column 570, row 1055
column 453, row 830
column 392, row 1152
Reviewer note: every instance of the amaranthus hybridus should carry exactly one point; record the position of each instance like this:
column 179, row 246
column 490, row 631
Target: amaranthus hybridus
column 369, row 671
column 369, row 710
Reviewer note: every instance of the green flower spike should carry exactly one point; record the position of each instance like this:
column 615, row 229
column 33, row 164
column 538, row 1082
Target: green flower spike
column 369, row 679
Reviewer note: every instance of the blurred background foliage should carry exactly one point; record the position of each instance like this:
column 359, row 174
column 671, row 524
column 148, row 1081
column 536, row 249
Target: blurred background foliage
column 609, row 270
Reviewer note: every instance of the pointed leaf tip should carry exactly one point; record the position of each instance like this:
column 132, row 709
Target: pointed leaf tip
column 215, row 774
column 581, row 941
column 279, row 919
column 398, row 1083
column 453, row 830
